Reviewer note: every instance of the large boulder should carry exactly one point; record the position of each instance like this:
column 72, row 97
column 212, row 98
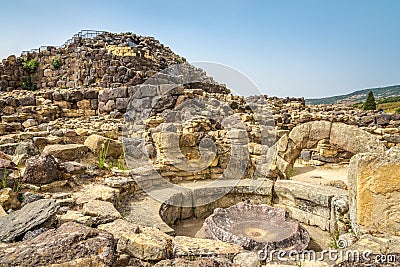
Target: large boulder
column 69, row 152
column 71, row 242
column 41, row 170
column 375, row 192
column 34, row 214
column 97, row 142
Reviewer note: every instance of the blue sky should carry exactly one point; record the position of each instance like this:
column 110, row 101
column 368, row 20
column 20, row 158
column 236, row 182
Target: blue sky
column 305, row 48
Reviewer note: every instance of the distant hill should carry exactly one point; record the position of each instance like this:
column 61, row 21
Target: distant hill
column 357, row 96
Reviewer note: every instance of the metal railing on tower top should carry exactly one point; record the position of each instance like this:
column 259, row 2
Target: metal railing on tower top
column 82, row 34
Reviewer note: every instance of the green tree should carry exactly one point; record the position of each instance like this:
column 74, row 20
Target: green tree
column 370, row 103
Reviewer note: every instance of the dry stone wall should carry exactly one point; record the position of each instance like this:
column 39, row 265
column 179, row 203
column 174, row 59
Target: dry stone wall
column 108, row 60
column 105, row 76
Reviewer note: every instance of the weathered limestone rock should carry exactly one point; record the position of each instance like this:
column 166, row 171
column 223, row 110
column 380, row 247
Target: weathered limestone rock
column 120, row 182
column 75, row 216
column 340, row 135
column 29, row 123
column 187, row 247
column 307, row 203
column 119, row 227
column 82, row 262
column 73, row 167
column 318, row 130
column 23, row 151
column 71, row 241
column 146, row 244
column 41, row 170
column 374, row 244
column 96, row 192
column 95, row 143
column 374, row 193
column 7, row 164
column 68, row 152
column 31, row 215
column 248, row 259
column 354, row 139
column 201, row 262
column 103, row 211
column 2, row 212
column 9, row 199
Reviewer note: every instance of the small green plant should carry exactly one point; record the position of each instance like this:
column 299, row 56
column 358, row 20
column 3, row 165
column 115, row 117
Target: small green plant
column 398, row 111
column 121, row 163
column 334, row 240
column 30, row 66
column 56, row 62
column 103, row 153
column 290, row 173
column 27, row 84
column 4, row 179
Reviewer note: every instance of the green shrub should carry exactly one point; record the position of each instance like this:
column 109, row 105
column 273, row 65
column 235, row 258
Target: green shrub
column 30, row 66
column 56, row 62
column 390, row 99
column 370, row 103
column 398, row 111
column 28, row 84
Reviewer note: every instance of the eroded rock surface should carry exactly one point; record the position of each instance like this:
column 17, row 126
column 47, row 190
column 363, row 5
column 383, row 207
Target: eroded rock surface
column 70, row 242
column 41, row 170
column 375, row 192
column 30, row 216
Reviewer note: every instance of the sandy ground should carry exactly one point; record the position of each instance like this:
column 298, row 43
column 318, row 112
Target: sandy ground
column 320, row 175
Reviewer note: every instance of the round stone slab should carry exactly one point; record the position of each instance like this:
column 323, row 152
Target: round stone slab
column 256, row 227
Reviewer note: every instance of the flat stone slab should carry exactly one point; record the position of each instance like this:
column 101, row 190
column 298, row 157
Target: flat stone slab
column 21, row 221
column 146, row 213
column 188, row 247
column 67, row 152
column 318, row 194
column 197, row 263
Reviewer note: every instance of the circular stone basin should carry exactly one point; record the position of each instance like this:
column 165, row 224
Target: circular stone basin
column 256, row 227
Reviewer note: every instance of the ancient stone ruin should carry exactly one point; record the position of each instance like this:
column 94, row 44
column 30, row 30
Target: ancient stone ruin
column 114, row 151
column 256, row 227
